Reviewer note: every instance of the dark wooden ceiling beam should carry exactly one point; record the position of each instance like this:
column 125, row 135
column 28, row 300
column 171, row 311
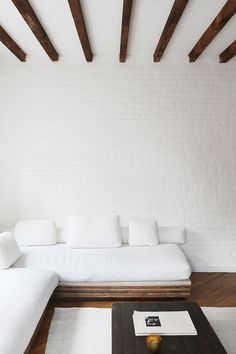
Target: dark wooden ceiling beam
column 78, row 17
column 228, row 53
column 171, row 23
column 228, row 10
column 127, row 10
column 28, row 14
column 6, row 39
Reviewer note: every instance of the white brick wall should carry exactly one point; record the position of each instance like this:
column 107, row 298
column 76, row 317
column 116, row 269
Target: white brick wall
column 211, row 247
column 136, row 139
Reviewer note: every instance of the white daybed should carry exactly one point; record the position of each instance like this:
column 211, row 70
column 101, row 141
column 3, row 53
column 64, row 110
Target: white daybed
column 152, row 271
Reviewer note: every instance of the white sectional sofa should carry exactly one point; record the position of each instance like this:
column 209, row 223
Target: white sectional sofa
column 24, row 296
column 38, row 271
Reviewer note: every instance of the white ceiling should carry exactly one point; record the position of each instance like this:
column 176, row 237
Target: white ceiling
column 103, row 19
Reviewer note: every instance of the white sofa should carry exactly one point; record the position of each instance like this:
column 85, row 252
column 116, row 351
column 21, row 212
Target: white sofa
column 24, row 295
column 151, row 267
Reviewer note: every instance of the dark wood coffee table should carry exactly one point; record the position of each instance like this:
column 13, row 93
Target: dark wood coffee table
column 124, row 340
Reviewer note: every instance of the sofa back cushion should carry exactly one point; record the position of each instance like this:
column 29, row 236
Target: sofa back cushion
column 91, row 232
column 170, row 234
column 143, row 232
column 9, row 250
column 167, row 234
column 36, row 233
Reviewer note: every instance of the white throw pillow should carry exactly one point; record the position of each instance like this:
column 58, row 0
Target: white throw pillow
column 143, row 232
column 91, row 232
column 9, row 250
column 36, row 232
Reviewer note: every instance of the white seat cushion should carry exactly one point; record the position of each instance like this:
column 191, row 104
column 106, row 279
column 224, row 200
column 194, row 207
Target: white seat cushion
column 23, row 297
column 153, row 263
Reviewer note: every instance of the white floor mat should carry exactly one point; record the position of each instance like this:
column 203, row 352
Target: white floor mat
column 80, row 331
column 223, row 321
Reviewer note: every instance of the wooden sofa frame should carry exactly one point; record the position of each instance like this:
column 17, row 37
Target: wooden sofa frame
column 121, row 292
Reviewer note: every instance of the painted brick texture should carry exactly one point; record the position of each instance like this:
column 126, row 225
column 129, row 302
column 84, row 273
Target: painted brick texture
column 138, row 139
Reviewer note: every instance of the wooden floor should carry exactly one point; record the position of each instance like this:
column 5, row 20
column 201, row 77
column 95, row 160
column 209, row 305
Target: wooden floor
column 208, row 289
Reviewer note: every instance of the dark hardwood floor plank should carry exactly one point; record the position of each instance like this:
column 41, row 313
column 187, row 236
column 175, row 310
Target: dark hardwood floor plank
column 214, row 289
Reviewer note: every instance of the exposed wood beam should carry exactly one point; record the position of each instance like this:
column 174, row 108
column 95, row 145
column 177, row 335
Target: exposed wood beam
column 228, row 10
column 172, row 21
column 127, row 10
column 228, row 53
column 28, row 14
column 11, row 45
column 78, row 17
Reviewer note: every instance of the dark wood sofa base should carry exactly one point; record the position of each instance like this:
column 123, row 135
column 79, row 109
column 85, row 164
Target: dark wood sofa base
column 121, row 292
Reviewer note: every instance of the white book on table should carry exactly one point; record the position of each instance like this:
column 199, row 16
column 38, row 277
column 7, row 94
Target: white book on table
column 176, row 323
